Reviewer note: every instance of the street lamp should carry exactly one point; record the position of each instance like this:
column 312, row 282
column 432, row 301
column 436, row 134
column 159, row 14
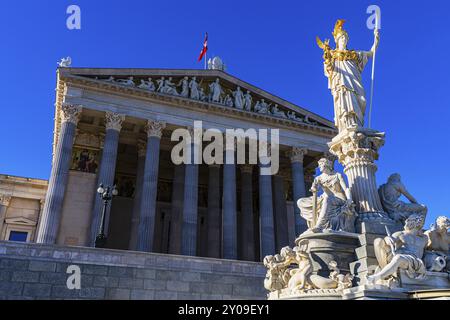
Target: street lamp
column 106, row 195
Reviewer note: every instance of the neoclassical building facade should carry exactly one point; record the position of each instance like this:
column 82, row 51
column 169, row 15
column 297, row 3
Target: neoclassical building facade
column 114, row 126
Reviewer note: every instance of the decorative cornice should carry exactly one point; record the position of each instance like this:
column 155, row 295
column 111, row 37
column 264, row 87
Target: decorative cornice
column 114, row 121
column 5, row 200
column 155, row 128
column 297, row 154
column 70, row 113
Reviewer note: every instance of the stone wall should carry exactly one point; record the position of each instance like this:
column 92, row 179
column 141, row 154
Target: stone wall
column 34, row 271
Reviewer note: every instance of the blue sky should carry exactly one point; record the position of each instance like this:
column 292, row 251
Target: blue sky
column 267, row 43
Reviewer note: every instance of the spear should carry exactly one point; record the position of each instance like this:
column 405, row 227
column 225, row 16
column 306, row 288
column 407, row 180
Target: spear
column 373, row 74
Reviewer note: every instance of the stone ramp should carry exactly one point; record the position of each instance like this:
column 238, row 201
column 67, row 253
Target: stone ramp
column 35, row 271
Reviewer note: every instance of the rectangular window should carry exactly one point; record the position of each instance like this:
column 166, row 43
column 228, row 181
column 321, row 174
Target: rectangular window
column 18, row 236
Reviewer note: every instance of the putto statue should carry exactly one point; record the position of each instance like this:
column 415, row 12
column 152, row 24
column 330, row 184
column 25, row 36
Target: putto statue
column 390, row 194
column 343, row 68
column 291, row 271
column 334, row 209
column 437, row 256
column 403, row 250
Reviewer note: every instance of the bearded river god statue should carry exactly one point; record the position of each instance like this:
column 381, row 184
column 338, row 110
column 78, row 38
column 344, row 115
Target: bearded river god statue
column 343, row 68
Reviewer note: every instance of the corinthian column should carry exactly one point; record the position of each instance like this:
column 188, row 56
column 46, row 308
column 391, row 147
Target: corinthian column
column 357, row 151
column 146, row 229
column 190, row 205
column 107, row 169
column 51, row 215
column 267, row 230
column 176, row 212
column 229, row 203
column 4, row 204
column 214, row 216
column 280, row 210
column 142, row 148
column 298, row 181
column 247, row 230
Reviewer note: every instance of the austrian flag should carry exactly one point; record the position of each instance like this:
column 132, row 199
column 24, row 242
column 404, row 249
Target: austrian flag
column 205, row 47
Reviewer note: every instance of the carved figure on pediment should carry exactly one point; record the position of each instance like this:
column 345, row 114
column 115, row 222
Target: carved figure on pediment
column 228, row 101
column 169, row 87
column 402, row 250
column 334, row 208
column 262, row 107
column 194, row 86
column 147, row 85
column 126, row 82
column 291, row 115
column 390, row 194
column 161, row 83
column 184, row 83
column 248, row 101
column 437, row 254
column 203, row 96
column 110, row 79
column 215, row 91
column 277, row 112
column 238, row 98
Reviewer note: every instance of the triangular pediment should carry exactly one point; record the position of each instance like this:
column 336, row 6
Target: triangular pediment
column 252, row 99
column 20, row 221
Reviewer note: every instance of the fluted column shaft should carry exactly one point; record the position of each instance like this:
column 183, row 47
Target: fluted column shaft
column 229, row 219
column 267, row 231
column 107, row 170
column 362, row 184
column 190, row 208
column 177, row 209
column 280, row 209
column 247, row 229
column 137, row 195
column 51, row 215
column 298, row 184
column 146, row 228
column 214, row 216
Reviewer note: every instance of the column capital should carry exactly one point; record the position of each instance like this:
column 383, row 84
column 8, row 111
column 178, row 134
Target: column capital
column 142, row 148
column 114, row 120
column 155, row 128
column 246, row 168
column 70, row 113
column 297, row 154
column 5, row 200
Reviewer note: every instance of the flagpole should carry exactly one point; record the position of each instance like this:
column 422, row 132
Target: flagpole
column 205, row 59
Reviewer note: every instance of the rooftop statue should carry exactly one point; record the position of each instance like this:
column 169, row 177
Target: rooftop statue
column 390, row 194
column 343, row 68
column 334, row 208
column 65, row 62
column 248, row 101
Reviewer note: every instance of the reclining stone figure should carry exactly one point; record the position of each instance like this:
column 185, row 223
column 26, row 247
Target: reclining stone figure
column 402, row 250
column 390, row 194
column 437, row 255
